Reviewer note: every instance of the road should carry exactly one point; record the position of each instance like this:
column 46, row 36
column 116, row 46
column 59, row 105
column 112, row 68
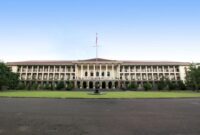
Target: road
column 36, row 116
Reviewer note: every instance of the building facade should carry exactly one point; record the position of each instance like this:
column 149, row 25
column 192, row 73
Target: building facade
column 108, row 74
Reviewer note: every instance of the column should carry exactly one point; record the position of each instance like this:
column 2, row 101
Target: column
column 88, row 70
column 54, row 72
column 129, row 73
column 26, row 72
column 88, row 83
column 113, row 75
column 118, row 71
column 81, row 71
column 106, row 84
column 100, row 71
column 113, row 84
column 37, row 73
column 81, row 84
column 152, row 74
column 76, row 72
column 94, row 71
column 175, row 73
column 20, row 73
column 147, row 77
column 32, row 73
column 141, row 73
column 65, row 76
column 42, row 72
column 106, row 71
column 94, row 84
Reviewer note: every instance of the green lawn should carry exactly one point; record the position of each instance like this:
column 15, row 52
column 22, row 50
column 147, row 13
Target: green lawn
column 86, row 94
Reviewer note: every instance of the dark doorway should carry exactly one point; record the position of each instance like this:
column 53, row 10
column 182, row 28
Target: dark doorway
column 84, row 85
column 78, row 84
column 116, row 84
column 103, row 85
column 91, row 85
column 110, row 85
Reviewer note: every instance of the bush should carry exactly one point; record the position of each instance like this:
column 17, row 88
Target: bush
column 47, row 87
column 132, row 86
column 181, row 85
column 172, row 86
column 21, row 86
column 69, row 86
column 52, row 86
column 41, row 87
column 147, row 86
column 60, row 85
column 34, row 86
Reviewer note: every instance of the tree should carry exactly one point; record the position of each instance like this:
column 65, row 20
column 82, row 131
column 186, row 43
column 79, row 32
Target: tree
column 193, row 77
column 8, row 78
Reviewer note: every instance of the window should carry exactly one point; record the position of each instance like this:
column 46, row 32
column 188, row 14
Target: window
column 97, row 73
column 108, row 73
column 91, row 74
column 102, row 74
column 86, row 74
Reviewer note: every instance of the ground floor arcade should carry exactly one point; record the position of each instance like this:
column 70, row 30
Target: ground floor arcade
column 91, row 84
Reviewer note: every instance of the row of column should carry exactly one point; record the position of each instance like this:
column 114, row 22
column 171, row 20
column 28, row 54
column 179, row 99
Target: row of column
column 100, row 70
column 152, row 69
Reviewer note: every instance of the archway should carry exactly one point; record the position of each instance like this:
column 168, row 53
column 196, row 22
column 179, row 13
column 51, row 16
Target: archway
column 84, row 85
column 103, row 85
column 79, row 84
column 91, row 85
column 110, row 85
column 116, row 84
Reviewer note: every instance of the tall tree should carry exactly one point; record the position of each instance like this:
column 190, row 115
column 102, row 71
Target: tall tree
column 193, row 77
column 7, row 77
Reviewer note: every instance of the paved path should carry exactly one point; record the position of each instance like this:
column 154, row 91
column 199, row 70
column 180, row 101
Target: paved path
column 30, row 116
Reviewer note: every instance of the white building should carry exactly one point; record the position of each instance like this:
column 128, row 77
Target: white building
column 109, row 74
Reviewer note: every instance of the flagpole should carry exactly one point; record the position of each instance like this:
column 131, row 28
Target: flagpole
column 96, row 85
column 96, row 46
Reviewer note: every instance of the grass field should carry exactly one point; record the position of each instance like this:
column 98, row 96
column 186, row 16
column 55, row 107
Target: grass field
column 109, row 94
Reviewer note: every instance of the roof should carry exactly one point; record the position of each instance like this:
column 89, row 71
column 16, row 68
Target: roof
column 99, row 60
column 40, row 63
column 155, row 63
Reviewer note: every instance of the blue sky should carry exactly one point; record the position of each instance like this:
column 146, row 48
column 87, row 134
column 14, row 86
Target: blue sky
column 127, row 29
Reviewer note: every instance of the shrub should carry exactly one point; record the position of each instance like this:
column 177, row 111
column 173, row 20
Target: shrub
column 21, row 86
column 69, row 86
column 147, row 86
column 60, row 85
column 132, row 86
column 172, row 86
column 47, row 87
column 181, row 85
column 34, row 86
